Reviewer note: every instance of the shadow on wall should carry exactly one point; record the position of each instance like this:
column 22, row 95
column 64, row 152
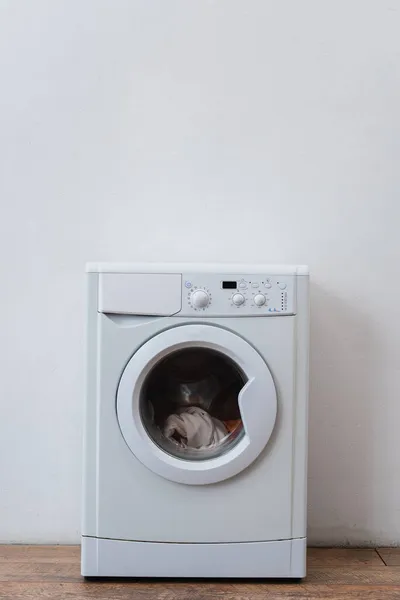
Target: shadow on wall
column 341, row 444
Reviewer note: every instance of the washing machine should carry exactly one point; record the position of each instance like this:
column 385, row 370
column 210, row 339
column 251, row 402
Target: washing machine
column 195, row 443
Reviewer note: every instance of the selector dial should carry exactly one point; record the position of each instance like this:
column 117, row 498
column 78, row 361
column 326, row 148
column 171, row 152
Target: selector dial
column 259, row 299
column 200, row 299
column 238, row 299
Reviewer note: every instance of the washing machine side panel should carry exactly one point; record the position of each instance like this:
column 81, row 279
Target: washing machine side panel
column 136, row 504
column 300, row 441
column 89, row 499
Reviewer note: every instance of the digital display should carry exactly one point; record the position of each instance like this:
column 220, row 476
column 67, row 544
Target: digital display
column 229, row 285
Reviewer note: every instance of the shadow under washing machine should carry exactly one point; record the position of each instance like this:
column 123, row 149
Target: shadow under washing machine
column 195, row 441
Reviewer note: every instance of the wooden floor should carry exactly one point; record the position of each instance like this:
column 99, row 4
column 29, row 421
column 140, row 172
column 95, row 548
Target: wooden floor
column 52, row 572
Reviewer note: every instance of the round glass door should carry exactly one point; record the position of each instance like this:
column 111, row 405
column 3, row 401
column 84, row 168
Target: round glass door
column 196, row 404
column 189, row 403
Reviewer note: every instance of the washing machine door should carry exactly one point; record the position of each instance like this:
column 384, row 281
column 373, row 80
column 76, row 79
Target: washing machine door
column 145, row 432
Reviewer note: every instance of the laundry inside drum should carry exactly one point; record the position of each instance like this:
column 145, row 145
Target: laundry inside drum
column 189, row 403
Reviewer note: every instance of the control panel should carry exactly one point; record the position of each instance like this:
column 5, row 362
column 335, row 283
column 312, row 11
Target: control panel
column 238, row 295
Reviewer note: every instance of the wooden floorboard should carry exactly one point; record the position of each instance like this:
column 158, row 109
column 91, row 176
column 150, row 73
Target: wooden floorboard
column 339, row 557
column 260, row 591
column 53, row 572
column 390, row 556
column 21, row 553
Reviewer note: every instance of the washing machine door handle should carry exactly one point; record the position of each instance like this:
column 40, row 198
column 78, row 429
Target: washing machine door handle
column 258, row 412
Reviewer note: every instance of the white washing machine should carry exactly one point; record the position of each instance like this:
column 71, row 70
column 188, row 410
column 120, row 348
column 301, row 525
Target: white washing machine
column 196, row 421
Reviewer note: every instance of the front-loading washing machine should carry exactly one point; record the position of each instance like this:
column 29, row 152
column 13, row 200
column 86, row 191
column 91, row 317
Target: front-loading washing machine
column 195, row 443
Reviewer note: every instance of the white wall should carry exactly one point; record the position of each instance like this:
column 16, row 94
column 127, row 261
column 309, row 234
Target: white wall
column 201, row 130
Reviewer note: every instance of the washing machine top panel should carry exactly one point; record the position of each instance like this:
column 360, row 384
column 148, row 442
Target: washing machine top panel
column 154, row 267
column 262, row 291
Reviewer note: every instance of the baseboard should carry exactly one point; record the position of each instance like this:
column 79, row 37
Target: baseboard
column 118, row 558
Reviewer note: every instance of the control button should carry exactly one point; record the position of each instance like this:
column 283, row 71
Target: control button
column 188, row 284
column 268, row 284
column 242, row 285
column 259, row 299
column 238, row 299
column 282, row 286
column 200, row 299
column 255, row 285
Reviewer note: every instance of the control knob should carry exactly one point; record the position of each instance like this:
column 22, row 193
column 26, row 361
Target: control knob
column 259, row 299
column 200, row 299
column 238, row 299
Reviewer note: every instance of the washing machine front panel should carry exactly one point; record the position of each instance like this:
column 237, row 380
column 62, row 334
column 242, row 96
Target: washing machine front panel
column 131, row 502
column 257, row 402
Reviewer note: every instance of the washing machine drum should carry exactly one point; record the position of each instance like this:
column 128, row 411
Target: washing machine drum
column 196, row 404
